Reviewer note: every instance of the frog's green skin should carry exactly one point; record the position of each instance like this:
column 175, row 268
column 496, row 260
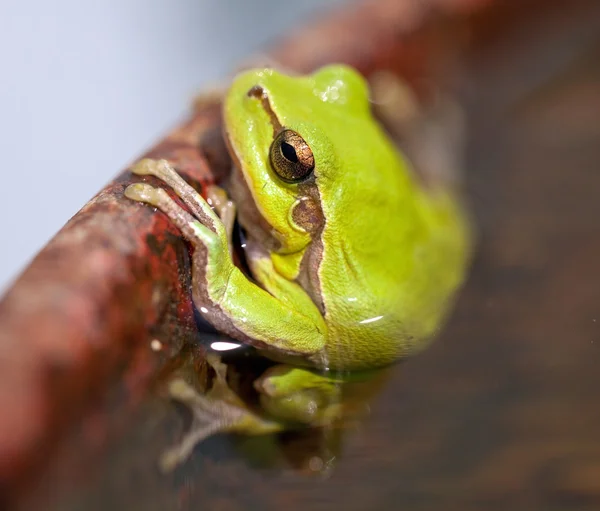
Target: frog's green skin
column 380, row 247
column 355, row 265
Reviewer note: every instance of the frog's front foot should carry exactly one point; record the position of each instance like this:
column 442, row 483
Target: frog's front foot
column 203, row 228
column 220, row 410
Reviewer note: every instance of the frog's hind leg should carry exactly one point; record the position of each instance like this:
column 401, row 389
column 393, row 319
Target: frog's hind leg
column 205, row 424
column 301, row 396
column 220, row 410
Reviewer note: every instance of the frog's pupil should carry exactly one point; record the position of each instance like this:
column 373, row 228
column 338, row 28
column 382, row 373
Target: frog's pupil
column 289, row 152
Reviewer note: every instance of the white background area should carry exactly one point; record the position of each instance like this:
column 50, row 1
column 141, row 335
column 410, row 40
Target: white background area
column 85, row 87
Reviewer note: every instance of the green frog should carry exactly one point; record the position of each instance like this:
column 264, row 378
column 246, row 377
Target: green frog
column 353, row 260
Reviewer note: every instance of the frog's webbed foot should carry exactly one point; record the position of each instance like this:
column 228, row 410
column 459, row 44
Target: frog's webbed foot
column 220, row 410
column 203, row 227
column 165, row 172
column 221, row 223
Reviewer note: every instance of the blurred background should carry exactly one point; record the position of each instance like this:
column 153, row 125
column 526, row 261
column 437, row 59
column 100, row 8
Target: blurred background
column 87, row 86
column 500, row 413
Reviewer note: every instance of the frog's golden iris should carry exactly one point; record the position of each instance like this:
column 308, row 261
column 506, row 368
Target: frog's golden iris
column 291, row 158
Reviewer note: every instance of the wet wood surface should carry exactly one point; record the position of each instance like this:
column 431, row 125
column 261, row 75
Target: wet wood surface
column 500, row 413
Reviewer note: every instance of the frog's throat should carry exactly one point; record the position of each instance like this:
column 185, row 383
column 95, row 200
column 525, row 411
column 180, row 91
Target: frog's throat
column 259, row 233
column 257, row 227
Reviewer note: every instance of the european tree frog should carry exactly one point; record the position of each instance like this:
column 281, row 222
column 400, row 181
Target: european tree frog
column 353, row 263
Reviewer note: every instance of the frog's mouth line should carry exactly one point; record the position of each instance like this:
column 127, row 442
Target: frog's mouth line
column 261, row 229
column 238, row 240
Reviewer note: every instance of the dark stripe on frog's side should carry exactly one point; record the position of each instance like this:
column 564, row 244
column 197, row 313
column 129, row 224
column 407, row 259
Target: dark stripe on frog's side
column 311, row 219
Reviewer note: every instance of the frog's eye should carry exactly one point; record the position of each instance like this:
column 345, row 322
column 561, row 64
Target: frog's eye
column 291, row 157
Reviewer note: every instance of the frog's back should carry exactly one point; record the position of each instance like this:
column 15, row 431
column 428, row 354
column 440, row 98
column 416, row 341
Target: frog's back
column 392, row 261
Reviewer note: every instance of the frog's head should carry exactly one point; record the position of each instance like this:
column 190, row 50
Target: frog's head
column 287, row 135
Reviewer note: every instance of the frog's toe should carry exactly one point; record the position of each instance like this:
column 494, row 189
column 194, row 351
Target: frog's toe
column 206, row 410
column 161, row 169
column 148, row 167
column 177, row 454
column 143, row 192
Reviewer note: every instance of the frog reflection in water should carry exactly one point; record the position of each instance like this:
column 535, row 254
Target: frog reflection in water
column 353, row 262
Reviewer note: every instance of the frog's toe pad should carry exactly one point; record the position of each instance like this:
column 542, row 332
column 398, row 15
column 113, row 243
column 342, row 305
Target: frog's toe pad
column 143, row 192
column 148, row 167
